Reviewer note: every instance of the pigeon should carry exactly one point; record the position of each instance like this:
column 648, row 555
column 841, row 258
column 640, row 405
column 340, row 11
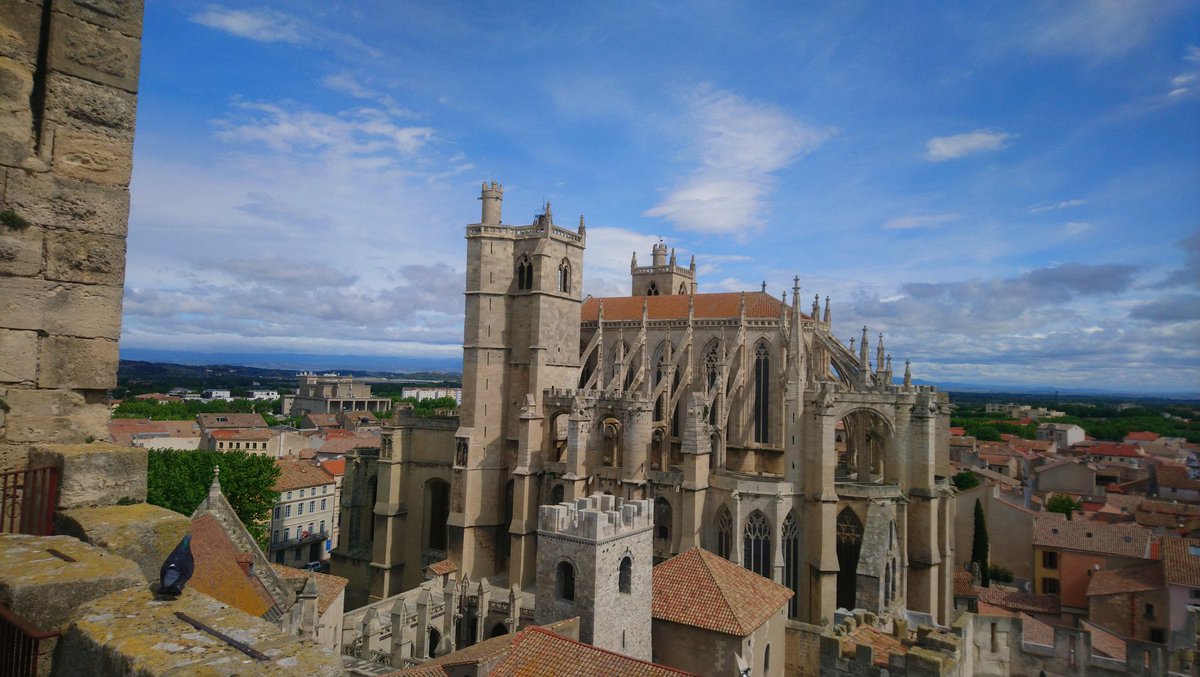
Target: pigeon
column 177, row 569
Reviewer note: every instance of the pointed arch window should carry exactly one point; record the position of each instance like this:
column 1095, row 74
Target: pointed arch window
column 564, row 581
column 756, row 544
column 652, row 289
column 682, row 289
column 762, row 392
column 564, row 276
column 524, row 273
column 556, row 494
column 711, row 360
column 625, row 576
column 724, row 532
column 791, row 562
column 662, row 519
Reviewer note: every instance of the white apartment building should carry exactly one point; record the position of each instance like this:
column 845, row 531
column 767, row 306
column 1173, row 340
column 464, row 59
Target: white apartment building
column 303, row 519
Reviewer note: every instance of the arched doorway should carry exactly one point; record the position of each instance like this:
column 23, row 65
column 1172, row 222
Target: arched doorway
column 435, row 638
column 849, row 544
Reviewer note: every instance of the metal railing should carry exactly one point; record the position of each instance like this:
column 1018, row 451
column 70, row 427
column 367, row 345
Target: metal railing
column 20, row 645
column 27, row 500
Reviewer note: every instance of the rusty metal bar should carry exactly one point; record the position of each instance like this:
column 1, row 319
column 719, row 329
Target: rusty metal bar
column 27, row 500
column 244, row 648
column 20, row 644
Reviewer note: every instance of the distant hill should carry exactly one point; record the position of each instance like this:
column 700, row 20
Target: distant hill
column 299, row 361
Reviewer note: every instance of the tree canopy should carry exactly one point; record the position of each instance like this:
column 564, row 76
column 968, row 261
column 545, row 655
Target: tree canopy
column 965, row 480
column 1064, row 504
column 187, row 409
column 979, row 544
column 179, row 480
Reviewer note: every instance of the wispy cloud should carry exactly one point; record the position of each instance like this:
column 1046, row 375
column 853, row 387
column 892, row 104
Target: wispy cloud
column 262, row 25
column 739, row 144
column 1095, row 28
column 941, row 148
column 1063, row 204
column 1187, row 82
column 919, row 221
column 269, row 25
column 292, row 129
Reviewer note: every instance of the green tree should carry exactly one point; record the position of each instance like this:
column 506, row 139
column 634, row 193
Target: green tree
column 178, row 480
column 965, row 480
column 979, row 544
column 1064, row 504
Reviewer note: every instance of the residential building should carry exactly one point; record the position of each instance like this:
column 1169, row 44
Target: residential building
column 258, row 441
column 1063, row 434
column 1181, row 574
column 432, row 393
column 229, row 420
column 216, row 394
column 303, row 518
column 1066, row 553
column 263, row 395
column 1175, row 481
column 148, row 434
column 1130, row 602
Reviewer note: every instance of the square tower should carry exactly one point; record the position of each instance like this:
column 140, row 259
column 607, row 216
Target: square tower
column 595, row 561
column 663, row 277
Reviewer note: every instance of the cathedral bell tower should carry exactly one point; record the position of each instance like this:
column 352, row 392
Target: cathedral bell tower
column 520, row 336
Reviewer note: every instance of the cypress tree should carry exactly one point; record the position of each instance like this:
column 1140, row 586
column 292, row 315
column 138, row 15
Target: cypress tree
column 979, row 544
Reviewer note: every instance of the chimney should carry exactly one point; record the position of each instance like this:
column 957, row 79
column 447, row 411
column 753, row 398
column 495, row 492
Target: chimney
column 244, row 561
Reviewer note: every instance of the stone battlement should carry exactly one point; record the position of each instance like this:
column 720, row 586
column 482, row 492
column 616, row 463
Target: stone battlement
column 597, row 517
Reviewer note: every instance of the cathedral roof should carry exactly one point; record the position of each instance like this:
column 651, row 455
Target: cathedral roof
column 704, row 590
column 539, row 651
column 675, row 307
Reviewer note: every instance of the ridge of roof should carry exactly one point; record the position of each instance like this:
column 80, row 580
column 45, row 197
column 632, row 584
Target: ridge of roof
column 701, row 589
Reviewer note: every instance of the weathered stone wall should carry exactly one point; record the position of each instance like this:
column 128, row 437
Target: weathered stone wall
column 68, row 97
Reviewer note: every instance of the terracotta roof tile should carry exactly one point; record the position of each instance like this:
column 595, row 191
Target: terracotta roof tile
column 675, row 307
column 704, row 590
column 537, row 651
column 208, row 421
column 1015, row 600
column 964, row 585
column 883, row 643
column 1113, row 449
column 328, row 586
column 241, row 434
column 218, row 573
column 1181, row 561
column 300, row 475
column 1053, row 530
column 345, row 443
column 334, row 466
column 423, row 670
column 442, row 568
column 1035, row 631
column 1175, row 476
column 1142, row 436
column 1133, row 579
column 1105, row 643
column 121, row 431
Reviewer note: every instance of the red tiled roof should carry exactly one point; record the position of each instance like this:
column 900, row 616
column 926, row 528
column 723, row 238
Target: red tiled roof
column 1181, row 561
column 883, row 643
column 1015, row 600
column 328, row 586
column 442, row 568
column 334, row 466
column 703, row 590
column 218, row 574
column 955, row 431
column 1133, row 579
column 964, row 584
column 1142, row 436
column 122, row 430
column 300, row 475
column 1053, row 530
column 675, row 307
column 536, row 651
column 1104, row 642
column 1114, row 449
column 208, row 421
column 1035, row 631
column 345, row 443
column 1175, row 476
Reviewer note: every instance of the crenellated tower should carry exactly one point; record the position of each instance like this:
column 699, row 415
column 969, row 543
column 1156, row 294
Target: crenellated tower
column 664, row 276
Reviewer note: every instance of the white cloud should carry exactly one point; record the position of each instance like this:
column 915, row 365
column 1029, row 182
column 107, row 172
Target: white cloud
column 1095, row 28
column 364, row 131
column 1074, row 228
column 739, row 145
column 941, row 148
column 262, row 25
column 919, row 221
column 1186, row 83
column 1063, row 204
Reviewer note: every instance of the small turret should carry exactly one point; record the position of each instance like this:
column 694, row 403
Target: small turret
column 672, row 257
column 816, row 310
column 827, row 315
column 879, row 353
column 491, row 196
column 692, row 265
column 658, row 255
column 582, row 228
column 633, row 262
column 907, row 374
column 862, row 352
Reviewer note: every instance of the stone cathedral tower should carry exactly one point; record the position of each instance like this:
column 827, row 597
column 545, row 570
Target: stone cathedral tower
column 521, row 336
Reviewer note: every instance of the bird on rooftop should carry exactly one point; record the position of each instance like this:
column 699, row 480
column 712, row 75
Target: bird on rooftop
column 177, row 569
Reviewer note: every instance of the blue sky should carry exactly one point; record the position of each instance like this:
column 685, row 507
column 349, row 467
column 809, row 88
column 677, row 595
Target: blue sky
column 1009, row 191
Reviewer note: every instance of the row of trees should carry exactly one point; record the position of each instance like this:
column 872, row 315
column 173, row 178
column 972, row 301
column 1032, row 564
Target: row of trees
column 187, row 409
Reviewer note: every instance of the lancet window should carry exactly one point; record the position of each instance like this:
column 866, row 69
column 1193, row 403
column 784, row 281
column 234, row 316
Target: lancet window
column 756, row 544
column 762, row 392
column 724, row 532
column 791, row 562
column 524, row 273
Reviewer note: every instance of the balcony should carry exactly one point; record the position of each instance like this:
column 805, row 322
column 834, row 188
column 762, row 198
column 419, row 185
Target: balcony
column 304, row 539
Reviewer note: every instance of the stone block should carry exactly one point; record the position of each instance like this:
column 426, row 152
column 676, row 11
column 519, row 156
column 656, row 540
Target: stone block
column 18, row 361
column 72, row 256
column 16, row 122
column 47, row 589
column 121, row 15
column 53, row 416
column 94, row 474
column 142, row 532
column 85, row 310
column 67, row 362
column 20, row 251
column 53, row 200
column 131, row 633
column 90, row 156
column 12, row 456
column 94, row 53
column 80, row 103
column 20, row 23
